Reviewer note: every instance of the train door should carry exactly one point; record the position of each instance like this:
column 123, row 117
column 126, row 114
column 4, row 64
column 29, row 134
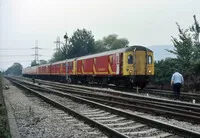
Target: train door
column 140, row 62
column 74, row 67
column 67, row 75
column 50, row 68
column 134, row 62
column 147, row 60
column 128, row 66
column 150, row 63
column 61, row 68
column 117, row 63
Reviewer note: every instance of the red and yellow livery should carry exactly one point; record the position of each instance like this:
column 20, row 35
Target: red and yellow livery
column 127, row 66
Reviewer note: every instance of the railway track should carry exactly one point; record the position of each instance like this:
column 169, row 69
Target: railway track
column 116, row 115
column 168, row 108
column 36, row 118
column 185, row 96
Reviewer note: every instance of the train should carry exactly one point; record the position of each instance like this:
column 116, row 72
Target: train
column 128, row 66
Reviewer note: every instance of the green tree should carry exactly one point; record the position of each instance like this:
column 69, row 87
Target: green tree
column 81, row 43
column 163, row 72
column 183, row 49
column 99, row 46
column 195, row 29
column 34, row 63
column 43, row 62
column 187, row 49
column 59, row 55
column 15, row 69
column 111, row 42
column 62, row 53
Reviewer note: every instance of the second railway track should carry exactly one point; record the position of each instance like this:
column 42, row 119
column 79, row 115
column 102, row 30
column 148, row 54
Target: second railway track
column 169, row 108
column 185, row 96
column 159, row 128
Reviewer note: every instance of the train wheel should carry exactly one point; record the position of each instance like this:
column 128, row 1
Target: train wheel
column 74, row 80
column 116, row 83
column 129, row 85
column 142, row 85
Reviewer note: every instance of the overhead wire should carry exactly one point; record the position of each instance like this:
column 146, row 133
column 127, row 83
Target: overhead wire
column 23, row 49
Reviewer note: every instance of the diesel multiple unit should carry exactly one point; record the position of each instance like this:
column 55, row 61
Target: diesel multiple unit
column 126, row 66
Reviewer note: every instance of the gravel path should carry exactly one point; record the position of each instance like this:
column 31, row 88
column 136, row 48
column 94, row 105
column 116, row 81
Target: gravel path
column 38, row 119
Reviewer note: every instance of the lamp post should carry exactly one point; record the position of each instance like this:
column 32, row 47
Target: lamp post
column 66, row 39
column 58, row 42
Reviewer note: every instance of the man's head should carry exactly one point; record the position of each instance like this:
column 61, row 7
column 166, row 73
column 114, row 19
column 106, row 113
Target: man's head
column 175, row 70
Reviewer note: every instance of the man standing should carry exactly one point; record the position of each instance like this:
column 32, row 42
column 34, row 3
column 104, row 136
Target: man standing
column 177, row 81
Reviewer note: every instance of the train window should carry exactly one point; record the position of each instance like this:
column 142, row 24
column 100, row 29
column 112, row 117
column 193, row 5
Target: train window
column 149, row 59
column 130, row 59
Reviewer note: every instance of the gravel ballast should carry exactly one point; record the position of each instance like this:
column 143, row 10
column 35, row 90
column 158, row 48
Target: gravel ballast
column 36, row 118
column 183, row 124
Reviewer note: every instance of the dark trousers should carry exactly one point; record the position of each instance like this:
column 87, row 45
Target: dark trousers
column 176, row 89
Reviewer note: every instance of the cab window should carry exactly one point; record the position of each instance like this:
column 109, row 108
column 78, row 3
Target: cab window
column 130, row 59
column 149, row 59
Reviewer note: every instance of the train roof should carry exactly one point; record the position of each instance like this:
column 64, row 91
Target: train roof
column 121, row 50
column 30, row 67
column 59, row 62
column 63, row 61
column 43, row 65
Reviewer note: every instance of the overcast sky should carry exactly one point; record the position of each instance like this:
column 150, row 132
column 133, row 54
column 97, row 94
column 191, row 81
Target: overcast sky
column 143, row 22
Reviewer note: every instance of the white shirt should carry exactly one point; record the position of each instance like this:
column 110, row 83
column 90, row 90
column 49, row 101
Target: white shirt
column 177, row 78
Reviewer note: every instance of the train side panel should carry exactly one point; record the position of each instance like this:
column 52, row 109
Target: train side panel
column 88, row 66
column 79, row 67
column 63, row 68
column 74, row 71
column 70, row 68
column 113, row 64
column 101, row 65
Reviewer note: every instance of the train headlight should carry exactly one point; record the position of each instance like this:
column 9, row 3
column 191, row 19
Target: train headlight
column 149, row 71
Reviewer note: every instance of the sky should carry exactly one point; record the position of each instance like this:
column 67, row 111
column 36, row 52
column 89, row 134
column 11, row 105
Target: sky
column 142, row 22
